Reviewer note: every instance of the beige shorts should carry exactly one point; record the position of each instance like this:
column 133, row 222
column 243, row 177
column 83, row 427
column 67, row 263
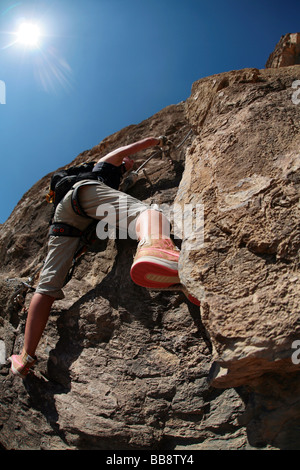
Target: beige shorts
column 100, row 202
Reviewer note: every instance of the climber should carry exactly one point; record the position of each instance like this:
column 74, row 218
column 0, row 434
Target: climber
column 155, row 263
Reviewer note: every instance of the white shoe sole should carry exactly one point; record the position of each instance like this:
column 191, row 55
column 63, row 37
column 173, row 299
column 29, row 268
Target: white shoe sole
column 154, row 272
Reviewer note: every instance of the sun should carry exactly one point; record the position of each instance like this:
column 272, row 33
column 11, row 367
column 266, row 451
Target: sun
column 28, row 34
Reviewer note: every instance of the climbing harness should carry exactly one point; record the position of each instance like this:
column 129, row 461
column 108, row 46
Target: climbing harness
column 65, row 230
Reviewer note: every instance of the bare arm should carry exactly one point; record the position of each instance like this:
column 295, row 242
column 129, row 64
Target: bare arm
column 116, row 156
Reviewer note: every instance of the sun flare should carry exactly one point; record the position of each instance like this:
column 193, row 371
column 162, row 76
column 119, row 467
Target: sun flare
column 28, row 34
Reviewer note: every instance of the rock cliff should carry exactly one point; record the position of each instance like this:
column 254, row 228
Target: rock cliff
column 286, row 52
column 121, row 367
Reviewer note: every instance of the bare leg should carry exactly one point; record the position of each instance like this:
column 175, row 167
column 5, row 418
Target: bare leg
column 152, row 224
column 38, row 315
column 156, row 261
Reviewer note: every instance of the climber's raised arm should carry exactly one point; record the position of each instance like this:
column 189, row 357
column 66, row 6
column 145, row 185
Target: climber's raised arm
column 116, row 156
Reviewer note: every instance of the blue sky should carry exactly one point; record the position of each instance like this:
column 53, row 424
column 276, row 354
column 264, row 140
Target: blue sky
column 102, row 65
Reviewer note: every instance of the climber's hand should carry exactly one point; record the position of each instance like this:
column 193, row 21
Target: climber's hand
column 164, row 141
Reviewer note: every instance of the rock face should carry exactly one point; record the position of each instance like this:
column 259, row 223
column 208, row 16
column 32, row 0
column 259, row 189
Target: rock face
column 286, row 53
column 121, row 367
column 244, row 166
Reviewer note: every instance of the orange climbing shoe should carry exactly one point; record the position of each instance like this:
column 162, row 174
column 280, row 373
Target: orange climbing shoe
column 21, row 364
column 156, row 263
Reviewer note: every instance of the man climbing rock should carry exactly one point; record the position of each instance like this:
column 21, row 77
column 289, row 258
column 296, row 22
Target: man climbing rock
column 155, row 264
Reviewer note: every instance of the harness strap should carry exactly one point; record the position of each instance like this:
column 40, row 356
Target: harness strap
column 75, row 203
column 64, row 230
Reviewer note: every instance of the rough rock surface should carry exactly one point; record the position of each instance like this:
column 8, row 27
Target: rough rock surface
column 244, row 166
column 121, row 367
column 286, row 53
